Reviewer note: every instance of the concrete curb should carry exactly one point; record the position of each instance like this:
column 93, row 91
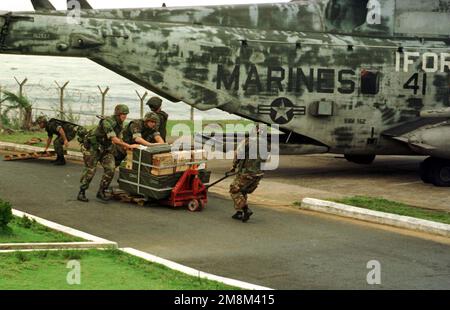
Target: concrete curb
column 14, row 147
column 377, row 217
column 64, row 229
column 192, row 272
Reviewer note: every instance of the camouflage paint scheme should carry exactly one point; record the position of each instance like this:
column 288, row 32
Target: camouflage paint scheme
column 245, row 60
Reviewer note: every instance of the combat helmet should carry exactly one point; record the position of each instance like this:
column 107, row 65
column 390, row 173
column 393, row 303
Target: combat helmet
column 152, row 116
column 121, row 109
column 154, row 103
column 41, row 119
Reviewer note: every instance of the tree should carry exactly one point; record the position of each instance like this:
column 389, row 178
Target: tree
column 1, row 115
column 19, row 102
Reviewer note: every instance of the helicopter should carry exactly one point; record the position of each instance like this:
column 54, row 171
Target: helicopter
column 359, row 78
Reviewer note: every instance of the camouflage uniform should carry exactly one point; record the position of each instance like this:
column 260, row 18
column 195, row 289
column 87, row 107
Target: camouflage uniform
column 52, row 128
column 155, row 104
column 98, row 147
column 135, row 129
column 249, row 174
column 163, row 117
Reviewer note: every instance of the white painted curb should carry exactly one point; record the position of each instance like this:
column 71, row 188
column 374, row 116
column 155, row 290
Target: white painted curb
column 193, row 272
column 65, row 229
column 395, row 220
column 14, row 147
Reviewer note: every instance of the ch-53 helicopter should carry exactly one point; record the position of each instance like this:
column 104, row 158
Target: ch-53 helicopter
column 354, row 77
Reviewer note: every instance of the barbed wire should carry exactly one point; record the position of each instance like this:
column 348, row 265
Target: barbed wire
column 82, row 102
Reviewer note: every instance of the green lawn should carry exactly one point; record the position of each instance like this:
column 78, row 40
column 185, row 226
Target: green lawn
column 100, row 270
column 21, row 230
column 384, row 205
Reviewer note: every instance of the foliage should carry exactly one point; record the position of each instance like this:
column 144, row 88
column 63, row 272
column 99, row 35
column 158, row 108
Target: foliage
column 25, row 222
column 25, row 230
column 19, row 102
column 5, row 213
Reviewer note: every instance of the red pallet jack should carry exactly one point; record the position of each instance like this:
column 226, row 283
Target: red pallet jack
column 190, row 191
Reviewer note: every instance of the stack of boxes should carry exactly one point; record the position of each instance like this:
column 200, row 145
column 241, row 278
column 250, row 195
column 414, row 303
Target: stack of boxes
column 170, row 163
column 154, row 171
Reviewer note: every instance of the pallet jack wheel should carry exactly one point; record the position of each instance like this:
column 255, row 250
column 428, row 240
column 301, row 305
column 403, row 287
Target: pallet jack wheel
column 202, row 205
column 194, row 205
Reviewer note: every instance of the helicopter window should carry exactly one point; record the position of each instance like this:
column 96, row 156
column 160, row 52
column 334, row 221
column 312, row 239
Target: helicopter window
column 370, row 82
column 346, row 15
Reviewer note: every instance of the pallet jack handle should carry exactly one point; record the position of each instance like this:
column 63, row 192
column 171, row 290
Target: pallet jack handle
column 227, row 175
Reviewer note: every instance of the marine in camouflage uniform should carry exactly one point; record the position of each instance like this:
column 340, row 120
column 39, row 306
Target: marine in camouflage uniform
column 143, row 131
column 247, row 179
column 98, row 148
column 64, row 131
column 155, row 104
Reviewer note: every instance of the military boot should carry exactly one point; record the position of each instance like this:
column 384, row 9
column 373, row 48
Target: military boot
column 82, row 196
column 102, row 195
column 60, row 161
column 247, row 214
column 237, row 216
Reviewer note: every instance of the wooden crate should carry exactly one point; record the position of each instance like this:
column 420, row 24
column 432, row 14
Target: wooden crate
column 163, row 164
column 182, row 158
column 129, row 162
column 168, row 163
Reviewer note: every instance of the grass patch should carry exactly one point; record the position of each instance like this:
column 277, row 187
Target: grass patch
column 100, row 270
column 24, row 230
column 21, row 137
column 383, row 205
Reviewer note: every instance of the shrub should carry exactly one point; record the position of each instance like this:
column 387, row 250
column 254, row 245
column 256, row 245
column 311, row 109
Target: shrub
column 5, row 213
column 21, row 257
column 25, row 222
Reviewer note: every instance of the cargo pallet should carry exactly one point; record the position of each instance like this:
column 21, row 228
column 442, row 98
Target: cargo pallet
column 123, row 196
column 33, row 155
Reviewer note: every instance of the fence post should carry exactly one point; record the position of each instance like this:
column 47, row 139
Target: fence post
column 1, row 102
column 104, row 93
column 192, row 113
column 61, row 98
column 21, row 86
column 142, row 99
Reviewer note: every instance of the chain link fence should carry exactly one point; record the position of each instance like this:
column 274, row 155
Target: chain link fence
column 73, row 104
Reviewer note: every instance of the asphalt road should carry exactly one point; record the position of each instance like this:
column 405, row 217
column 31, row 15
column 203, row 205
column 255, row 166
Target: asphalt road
column 280, row 248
